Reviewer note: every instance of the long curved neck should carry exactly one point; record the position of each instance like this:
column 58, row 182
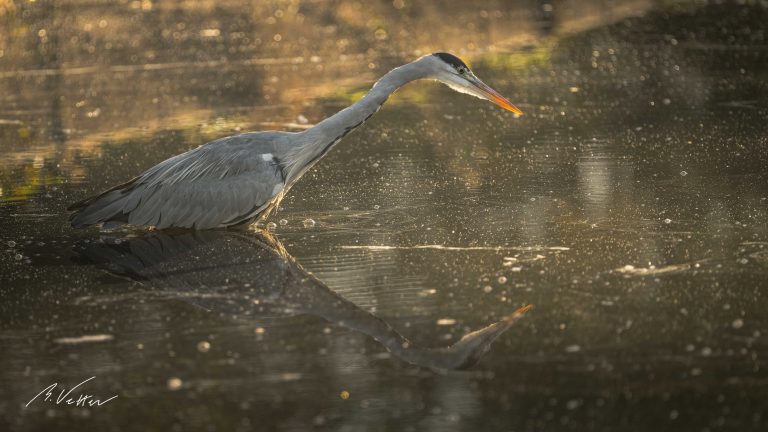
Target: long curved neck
column 321, row 137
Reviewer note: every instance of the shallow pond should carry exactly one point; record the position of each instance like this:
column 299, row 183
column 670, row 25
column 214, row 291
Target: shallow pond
column 628, row 206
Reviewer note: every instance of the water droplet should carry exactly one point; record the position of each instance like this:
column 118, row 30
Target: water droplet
column 290, row 376
column 344, row 395
column 488, row 289
column 572, row 349
column 683, row 173
column 737, row 323
column 667, row 221
column 308, row 223
column 11, row 243
column 18, row 257
column 174, row 383
column 502, row 279
column 446, row 321
column 283, row 222
column 203, row 346
column 259, row 330
column 211, row 32
column 376, row 207
column 271, row 226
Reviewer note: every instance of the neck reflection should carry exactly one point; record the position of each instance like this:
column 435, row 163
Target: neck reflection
column 249, row 274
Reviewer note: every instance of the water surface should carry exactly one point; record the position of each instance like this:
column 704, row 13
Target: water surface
column 629, row 206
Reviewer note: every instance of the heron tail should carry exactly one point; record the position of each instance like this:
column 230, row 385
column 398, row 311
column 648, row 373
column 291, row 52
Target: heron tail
column 107, row 206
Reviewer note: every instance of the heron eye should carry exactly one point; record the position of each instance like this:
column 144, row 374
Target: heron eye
column 462, row 71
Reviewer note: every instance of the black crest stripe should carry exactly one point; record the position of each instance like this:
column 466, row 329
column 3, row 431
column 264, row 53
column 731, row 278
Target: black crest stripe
column 451, row 60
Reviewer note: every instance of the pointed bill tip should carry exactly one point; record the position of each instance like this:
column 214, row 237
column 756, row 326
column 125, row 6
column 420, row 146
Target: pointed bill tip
column 494, row 96
column 516, row 110
column 504, row 103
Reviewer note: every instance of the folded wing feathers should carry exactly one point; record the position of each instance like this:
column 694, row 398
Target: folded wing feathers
column 202, row 188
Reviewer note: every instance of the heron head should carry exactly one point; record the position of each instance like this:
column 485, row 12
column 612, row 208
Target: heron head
column 451, row 71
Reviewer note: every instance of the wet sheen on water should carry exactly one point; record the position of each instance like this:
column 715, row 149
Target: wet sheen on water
column 628, row 206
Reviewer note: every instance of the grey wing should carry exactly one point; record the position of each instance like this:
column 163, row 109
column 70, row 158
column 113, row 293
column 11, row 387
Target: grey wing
column 223, row 183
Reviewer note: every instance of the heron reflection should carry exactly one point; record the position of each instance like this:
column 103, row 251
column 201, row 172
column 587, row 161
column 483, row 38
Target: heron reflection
column 251, row 274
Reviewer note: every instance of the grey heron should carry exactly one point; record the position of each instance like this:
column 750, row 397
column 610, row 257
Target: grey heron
column 234, row 181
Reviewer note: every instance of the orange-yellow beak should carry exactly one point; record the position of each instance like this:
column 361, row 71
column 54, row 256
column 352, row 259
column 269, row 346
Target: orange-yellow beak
column 494, row 96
